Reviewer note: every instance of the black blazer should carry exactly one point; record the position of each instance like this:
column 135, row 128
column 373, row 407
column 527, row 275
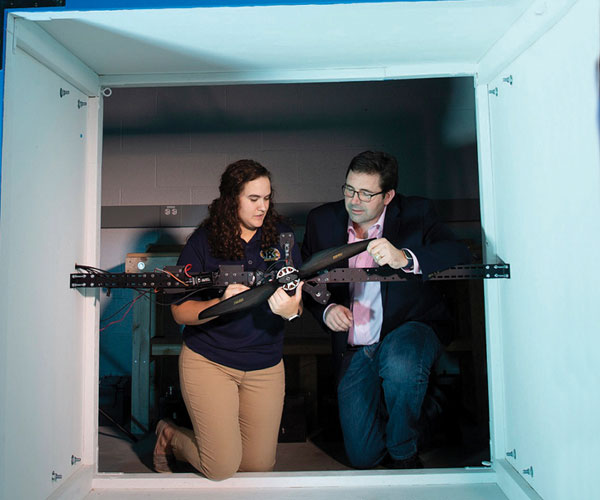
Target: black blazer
column 412, row 223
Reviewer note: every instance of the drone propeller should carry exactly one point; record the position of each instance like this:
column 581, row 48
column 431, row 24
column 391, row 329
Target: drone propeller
column 241, row 301
column 325, row 258
column 259, row 294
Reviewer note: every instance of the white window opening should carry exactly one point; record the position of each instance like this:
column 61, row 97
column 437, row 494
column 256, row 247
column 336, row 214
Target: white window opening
column 163, row 152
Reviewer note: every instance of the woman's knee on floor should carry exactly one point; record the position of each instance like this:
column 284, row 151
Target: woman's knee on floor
column 258, row 463
column 220, row 470
column 220, row 459
column 224, row 468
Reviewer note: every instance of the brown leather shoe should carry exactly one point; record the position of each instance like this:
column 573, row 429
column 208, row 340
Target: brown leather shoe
column 163, row 457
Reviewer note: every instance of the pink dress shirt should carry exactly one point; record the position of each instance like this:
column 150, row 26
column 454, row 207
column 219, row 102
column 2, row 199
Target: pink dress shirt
column 365, row 297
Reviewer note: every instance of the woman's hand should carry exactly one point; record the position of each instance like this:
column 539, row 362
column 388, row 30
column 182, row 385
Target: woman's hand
column 286, row 305
column 232, row 290
column 187, row 312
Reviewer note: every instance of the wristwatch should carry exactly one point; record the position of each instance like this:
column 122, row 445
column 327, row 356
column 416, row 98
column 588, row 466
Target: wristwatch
column 292, row 318
column 411, row 262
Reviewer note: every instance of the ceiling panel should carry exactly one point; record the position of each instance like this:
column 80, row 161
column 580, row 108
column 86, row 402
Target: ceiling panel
column 282, row 38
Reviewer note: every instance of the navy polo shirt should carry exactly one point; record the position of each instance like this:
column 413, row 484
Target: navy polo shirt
column 251, row 339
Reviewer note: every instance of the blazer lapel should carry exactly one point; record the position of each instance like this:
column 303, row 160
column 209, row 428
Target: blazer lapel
column 391, row 226
column 393, row 219
column 339, row 230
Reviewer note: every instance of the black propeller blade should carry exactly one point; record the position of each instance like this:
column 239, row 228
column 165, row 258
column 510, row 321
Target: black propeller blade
column 241, row 301
column 255, row 296
column 325, row 258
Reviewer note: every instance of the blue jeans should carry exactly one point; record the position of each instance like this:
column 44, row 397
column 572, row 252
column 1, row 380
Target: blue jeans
column 381, row 394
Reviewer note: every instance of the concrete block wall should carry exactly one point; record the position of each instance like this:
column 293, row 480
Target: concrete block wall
column 169, row 146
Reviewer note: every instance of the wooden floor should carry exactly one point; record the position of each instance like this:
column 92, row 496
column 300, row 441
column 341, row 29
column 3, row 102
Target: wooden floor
column 117, row 453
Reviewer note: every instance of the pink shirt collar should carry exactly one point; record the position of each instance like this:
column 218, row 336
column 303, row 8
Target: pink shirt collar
column 374, row 231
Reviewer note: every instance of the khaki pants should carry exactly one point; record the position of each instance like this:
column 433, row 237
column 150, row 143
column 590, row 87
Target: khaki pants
column 235, row 414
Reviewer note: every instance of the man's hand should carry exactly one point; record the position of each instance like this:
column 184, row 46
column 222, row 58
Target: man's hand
column 338, row 318
column 232, row 290
column 286, row 305
column 383, row 252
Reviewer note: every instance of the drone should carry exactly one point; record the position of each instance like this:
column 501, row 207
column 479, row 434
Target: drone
column 314, row 272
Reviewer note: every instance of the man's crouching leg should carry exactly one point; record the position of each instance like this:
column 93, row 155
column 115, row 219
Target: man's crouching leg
column 405, row 358
column 361, row 416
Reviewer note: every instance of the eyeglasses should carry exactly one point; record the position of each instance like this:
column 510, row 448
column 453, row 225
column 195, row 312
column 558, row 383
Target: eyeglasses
column 349, row 192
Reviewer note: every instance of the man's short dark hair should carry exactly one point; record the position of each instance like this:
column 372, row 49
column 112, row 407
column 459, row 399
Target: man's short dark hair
column 376, row 162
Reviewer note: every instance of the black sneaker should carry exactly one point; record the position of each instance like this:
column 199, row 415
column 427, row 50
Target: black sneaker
column 413, row 462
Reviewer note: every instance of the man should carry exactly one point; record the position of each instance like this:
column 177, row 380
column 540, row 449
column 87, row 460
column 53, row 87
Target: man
column 386, row 335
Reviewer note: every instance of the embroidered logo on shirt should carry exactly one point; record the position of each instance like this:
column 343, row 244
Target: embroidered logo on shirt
column 270, row 255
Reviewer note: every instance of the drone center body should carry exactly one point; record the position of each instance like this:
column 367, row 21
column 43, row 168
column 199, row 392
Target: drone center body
column 254, row 202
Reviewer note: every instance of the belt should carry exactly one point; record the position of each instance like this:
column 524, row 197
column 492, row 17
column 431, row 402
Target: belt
column 353, row 348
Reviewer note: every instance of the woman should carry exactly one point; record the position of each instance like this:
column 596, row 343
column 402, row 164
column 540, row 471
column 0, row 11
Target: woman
column 231, row 367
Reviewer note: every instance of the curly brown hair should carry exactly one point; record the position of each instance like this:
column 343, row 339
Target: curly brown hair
column 223, row 223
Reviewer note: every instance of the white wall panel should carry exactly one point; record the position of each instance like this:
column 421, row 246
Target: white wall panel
column 546, row 167
column 43, row 222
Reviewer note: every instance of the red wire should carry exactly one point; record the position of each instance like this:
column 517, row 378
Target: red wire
column 172, row 276
column 186, row 269
column 124, row 314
